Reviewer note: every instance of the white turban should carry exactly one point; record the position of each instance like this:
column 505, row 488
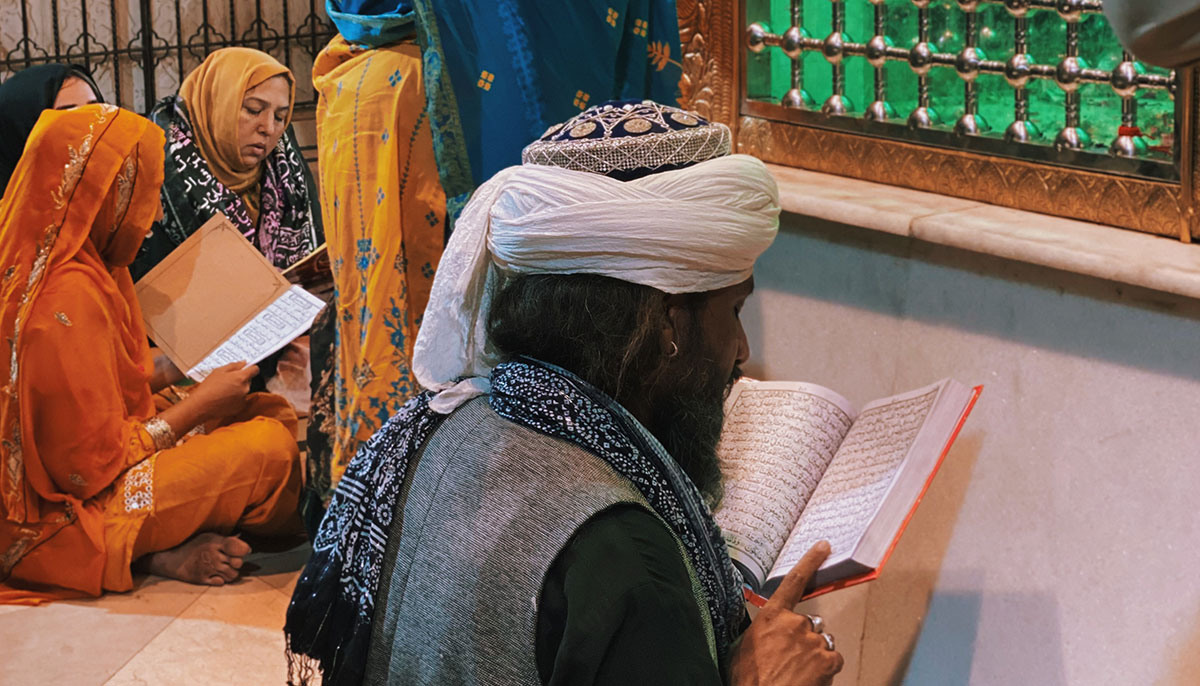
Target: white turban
column 689, row 230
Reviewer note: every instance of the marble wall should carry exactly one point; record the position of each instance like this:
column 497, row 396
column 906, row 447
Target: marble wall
column 1056, row 546
column 179, row 38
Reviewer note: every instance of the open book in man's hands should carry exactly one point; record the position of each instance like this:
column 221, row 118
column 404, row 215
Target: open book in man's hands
column 801, row 466
column 215, row 300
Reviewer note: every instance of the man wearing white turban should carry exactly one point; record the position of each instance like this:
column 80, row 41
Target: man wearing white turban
column 542, row 513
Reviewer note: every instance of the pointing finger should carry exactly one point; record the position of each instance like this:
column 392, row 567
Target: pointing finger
column 791, row 590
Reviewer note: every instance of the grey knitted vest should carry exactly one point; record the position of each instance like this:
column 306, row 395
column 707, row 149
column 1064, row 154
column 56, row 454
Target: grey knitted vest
column 488, row 506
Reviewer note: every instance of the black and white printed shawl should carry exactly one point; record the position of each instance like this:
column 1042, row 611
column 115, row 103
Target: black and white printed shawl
column 329, row 620
column 289, row 225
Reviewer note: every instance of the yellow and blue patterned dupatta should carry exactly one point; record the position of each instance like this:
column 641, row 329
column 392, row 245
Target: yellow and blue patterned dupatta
column 495, row 74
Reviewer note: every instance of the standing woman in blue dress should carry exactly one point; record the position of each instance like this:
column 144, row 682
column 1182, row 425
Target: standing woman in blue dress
column 419, row 103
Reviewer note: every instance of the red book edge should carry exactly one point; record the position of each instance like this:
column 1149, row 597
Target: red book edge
column 759, row 601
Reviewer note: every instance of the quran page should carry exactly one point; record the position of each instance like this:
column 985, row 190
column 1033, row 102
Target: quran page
column 777, row 440
column 875, row 479
column 284, row 320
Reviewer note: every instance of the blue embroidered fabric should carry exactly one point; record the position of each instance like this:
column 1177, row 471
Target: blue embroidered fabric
column 372, row 22
column 328, row 623
column 499, row 72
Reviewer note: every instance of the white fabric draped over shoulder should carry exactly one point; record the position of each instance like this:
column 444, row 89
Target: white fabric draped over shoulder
column 689, row 230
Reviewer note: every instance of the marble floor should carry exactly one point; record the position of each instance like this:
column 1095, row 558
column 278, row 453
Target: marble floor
column 162, row 632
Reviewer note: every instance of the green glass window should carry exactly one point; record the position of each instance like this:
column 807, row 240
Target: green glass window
column 1039, row 79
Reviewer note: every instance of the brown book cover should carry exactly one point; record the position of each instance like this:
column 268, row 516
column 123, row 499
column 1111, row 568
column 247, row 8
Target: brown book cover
column 313, row 272
column 216, row 299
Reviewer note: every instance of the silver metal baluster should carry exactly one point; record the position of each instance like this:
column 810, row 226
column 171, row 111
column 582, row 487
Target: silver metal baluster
column 1017, row 72
column 793, row 46
column 834, row 49
column 920, row 58
column 1129, row 141
column 1066, row 74
column 967, row 64
column 879, row 109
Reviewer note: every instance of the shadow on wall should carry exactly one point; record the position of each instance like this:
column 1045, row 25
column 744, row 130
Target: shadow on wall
column 996, row 638
column 912, row 279
column 903, row 594
column 943, row 650
column 1021, row 646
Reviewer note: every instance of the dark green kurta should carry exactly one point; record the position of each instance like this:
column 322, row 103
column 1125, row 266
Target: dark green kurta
column 617, row 608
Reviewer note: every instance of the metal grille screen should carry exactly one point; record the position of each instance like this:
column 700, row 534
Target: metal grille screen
column 1044, row 80
column 140, row 50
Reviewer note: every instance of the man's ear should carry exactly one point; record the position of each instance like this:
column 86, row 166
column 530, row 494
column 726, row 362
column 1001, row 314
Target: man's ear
column 678, row 320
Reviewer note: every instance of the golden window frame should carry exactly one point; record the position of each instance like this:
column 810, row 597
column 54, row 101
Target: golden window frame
column 713, row 85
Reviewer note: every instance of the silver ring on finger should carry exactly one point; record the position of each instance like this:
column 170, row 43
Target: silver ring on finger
column 828, row 640
column 818, row 624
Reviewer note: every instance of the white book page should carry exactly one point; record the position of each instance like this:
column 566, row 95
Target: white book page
column 859, row 477
column 777, row 440
column 281, row 322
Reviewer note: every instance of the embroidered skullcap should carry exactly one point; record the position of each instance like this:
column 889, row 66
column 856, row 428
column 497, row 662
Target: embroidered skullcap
column 696, row 227
column 629, row 139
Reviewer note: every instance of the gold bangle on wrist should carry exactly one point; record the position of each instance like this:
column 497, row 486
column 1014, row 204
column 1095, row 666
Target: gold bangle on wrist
column 160, row 432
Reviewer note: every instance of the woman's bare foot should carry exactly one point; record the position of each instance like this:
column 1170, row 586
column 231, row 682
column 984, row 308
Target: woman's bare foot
column 210, row 559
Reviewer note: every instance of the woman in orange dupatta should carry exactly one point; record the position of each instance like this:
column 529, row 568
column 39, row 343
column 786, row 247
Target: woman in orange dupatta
column 91, row 478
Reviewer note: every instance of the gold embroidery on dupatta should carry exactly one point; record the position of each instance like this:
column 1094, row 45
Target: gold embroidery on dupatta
column 27, row 538
column 76, row 158
column 16, row 551
column 14, row 466
column 12, row 349
column 14, row 463
column 124, row 188
column 63, row 318
column 35, row 274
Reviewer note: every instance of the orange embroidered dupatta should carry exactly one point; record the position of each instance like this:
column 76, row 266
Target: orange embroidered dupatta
column 77, row 209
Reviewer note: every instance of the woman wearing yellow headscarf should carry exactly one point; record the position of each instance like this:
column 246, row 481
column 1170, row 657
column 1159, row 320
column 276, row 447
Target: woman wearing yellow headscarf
column 230, row 149
column 92, row 479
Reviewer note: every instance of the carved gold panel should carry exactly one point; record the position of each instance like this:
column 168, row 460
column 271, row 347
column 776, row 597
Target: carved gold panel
column 712, row 85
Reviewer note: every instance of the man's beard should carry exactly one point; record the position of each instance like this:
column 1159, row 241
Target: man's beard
column 687, row 420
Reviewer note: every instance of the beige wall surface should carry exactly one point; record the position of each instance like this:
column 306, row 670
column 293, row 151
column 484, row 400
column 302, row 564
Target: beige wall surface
column 1059, row 542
